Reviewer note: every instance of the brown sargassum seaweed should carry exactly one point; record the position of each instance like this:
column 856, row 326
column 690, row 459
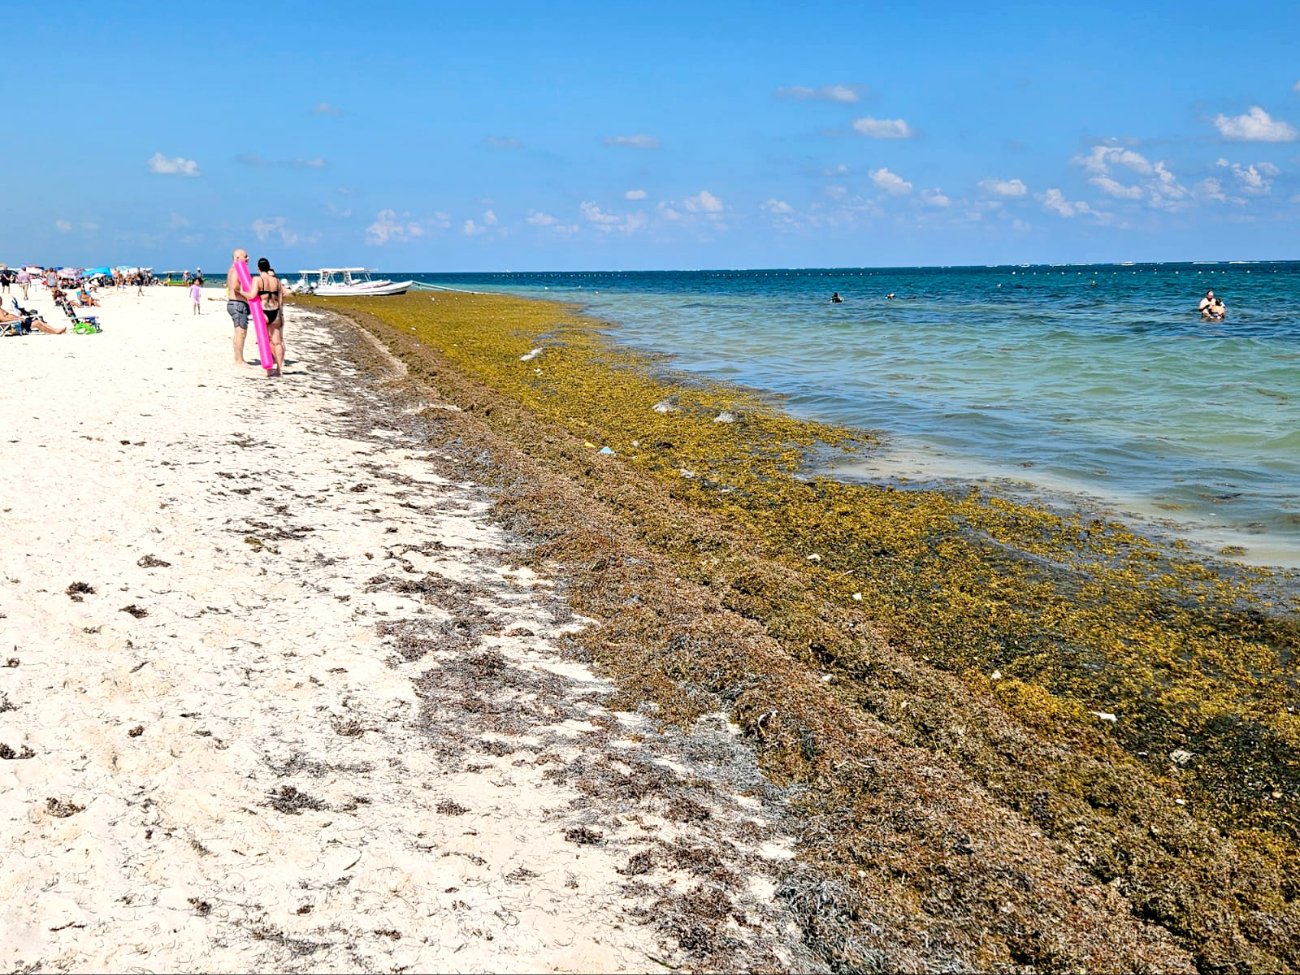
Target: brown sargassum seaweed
column 962, row 805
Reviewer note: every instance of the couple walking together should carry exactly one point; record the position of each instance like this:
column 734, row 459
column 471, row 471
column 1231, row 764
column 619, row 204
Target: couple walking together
column 265, row 285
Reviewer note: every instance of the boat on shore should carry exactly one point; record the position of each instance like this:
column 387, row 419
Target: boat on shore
column 339, row 282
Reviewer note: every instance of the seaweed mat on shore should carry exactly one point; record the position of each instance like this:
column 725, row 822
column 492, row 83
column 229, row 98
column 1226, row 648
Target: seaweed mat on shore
column 1018, row 740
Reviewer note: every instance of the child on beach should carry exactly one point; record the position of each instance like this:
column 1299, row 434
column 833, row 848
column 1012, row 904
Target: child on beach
column 196, row 296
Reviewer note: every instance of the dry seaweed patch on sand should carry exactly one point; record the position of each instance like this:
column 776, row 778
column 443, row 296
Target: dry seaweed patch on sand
column 921, row 665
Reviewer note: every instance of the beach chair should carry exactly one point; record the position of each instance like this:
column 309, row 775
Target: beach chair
column 81, row 324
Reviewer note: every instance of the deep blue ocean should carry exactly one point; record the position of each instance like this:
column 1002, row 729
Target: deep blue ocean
column 1097, row 385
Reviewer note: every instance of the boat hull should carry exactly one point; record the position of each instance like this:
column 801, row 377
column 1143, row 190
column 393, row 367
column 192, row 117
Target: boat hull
column 376, row 290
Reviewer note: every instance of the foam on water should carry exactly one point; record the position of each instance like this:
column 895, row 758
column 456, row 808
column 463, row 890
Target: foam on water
column 1099, row 381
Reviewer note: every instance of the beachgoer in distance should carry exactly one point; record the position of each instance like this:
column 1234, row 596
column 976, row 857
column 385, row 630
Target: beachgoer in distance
column 196, row 296
column 268, row 286
column 24, row 281
column 237, row 305
column 836, row 299
column 1206, row 302
column 6, row 278
column 891, row 296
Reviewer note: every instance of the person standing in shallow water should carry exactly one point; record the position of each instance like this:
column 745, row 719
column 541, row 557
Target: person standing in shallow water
column 237, row 305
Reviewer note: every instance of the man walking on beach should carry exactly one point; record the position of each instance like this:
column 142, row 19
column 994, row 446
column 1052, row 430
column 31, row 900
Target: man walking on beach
column 237, row 305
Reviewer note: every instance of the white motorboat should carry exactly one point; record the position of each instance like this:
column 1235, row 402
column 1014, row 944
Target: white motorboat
column 340, row 282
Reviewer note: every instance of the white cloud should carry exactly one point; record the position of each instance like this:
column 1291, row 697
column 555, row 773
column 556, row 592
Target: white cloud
column 634, row 195
column 632, row 141
column 1158, row 186
column 839, row 169
column 1255, row 179
column 668, row 212
column 778, row 208
column 489, row 218
column 883, row 128
column 1296, row 88
column 1055, row 201
column 503, row 142
column 935, row 198
column 470, row 229
column 596, row 215
column 172, row 165
column 891, row 183
column 325, row 108
column 388, row 227
column 1212, row 189
column 539, row 219
column 606, row 221
column 265, row 228
column 1112, row 187
column 1004, row 187
column 64, row 226
column 253, row 159
column 1255, row 126
column 844, row 94
column 702, row 202
column 1101, row 158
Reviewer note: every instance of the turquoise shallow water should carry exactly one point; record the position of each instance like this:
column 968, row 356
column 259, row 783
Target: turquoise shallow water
column 1095, row 382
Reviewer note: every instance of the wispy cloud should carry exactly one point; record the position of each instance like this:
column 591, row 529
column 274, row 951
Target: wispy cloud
column 172, row 165
column 844, row 94
column 1004, row 187
column 634, row 195
column 1113, row 187
column 325, row 108
column 1255, row 179
column 267, row 227
column 1100, row 159
column 883, row 128
column 503, row 142
column 388, row 228
column 891, row 183
column 63, row 226
column 703, row 202
column 1255, row 126
column 1156, row 186
column 537, row 218
column 936, row 198
column 606, row 220
column 260, row 162
column 632, row 141
column 780, row 214
column 1054, row 200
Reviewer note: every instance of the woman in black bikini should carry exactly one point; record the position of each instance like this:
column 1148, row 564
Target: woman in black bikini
column 268, row 287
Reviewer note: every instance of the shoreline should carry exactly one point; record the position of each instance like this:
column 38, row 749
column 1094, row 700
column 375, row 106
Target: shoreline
column 693, row 496
column 1243, row 495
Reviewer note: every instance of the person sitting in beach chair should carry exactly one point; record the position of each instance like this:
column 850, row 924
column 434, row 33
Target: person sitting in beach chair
column 23, row 324
column 84, row 298
column 81, row 324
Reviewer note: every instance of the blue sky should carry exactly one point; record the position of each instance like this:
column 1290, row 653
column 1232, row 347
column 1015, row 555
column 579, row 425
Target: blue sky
column 527, row 136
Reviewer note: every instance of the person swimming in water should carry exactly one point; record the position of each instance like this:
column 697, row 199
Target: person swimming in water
column 836, row 299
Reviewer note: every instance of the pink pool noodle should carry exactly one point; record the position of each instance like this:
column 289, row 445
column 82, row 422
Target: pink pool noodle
column 259, row 317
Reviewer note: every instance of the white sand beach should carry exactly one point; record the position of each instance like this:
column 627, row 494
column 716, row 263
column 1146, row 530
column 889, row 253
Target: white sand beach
column 273, row 695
